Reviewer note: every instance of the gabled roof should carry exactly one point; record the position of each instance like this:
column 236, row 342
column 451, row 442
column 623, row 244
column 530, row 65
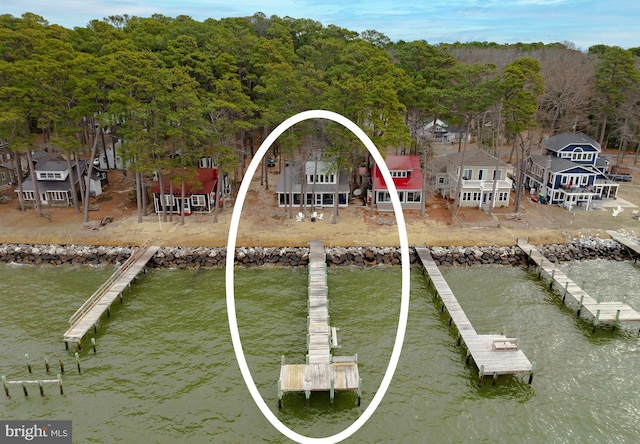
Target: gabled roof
column 207, row 180
column 560, row 141
column 559, row 165
column 400, row 163
column 54, row 185
column 475, row 158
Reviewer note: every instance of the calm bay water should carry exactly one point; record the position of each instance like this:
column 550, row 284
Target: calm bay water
column 165, row 369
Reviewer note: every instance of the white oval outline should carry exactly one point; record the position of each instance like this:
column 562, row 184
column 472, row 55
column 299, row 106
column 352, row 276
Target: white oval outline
column 230, row 295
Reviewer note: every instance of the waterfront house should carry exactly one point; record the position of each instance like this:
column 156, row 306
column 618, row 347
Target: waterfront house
column 200, row 195
column 320, row 184
column 407, row 177
column 569, row 172
column 55, row 186
column 480, row 173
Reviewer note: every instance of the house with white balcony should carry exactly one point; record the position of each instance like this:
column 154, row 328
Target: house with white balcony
column 472, row 181
column 569, row 172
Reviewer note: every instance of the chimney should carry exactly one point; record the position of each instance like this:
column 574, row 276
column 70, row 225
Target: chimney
column 548, row 165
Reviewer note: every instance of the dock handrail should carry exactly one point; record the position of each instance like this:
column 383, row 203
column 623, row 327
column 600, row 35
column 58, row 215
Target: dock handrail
column 89, row 303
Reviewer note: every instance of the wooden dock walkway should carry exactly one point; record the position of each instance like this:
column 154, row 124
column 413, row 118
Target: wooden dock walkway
column 627, row 242
column 493, row 354
column 322, row 371
column 614, row 313
column 90, row 312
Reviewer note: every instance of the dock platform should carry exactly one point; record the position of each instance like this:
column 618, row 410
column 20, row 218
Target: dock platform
column 86, row 317
column 493, row 355
column 626, row 241
column 613, row 313
column 322, row 371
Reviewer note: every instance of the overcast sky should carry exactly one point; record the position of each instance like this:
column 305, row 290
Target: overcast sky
column 583, row 22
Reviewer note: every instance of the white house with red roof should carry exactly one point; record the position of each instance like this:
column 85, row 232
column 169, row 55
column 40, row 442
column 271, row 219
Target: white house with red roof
column 407, row 177
column 200, row 196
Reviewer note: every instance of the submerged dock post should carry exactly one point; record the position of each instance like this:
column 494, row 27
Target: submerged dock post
column 596, row 321
column 6, row 387
column 533, row 369
column 359, row 391
column 332, row 391
column 60, row 384
column 78, row 363
column 615, row 324
column 61, row 365
column 580, row 305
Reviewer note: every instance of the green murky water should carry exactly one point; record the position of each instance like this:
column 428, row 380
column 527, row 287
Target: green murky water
column 165, row 370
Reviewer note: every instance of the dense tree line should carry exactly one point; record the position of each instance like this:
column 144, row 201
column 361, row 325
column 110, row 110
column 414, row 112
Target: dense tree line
column 176, row 90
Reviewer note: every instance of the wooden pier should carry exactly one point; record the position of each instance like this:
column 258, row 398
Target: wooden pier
column 493, row 355
column 322, row 371
column 613, row 313
column 86, row 317
column 627, row 242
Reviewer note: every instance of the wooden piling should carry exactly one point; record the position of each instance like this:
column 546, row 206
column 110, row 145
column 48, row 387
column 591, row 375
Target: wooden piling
column 41, row 388
column 580, row 305
column 26, row 356
column 596, row 320
column 617, row 321
column 60, row 384
column 93, row 344
column 6, row 387
column 78, row 363
column 533, row 369
column 61, row 365
column 46, row 365
column 24, row 389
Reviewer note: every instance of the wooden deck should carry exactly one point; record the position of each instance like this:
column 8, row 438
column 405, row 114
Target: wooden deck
column 86, row 317
column 613, row 313
column 322, row 371
column 493, row 354
column 624, row 240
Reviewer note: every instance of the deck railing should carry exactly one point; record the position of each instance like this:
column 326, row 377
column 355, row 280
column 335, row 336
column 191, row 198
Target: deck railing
column 104, row 288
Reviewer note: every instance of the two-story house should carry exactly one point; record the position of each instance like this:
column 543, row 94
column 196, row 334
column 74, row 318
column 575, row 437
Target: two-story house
column 55, row 186
column 569, row 172
column 481, row 172
column 407, row 177
column 320, row 181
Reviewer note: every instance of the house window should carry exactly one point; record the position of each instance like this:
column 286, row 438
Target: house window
column 565, row 180
column 398, row 173
column 28, row 195
column 168, row 200
column 441, row 180
column 414, row 196
column 384, row 196
column 466, row 196
column 467, row 174
column 198, row 200
column 585, row 180
column 58, row 195
column 2, row 176
column 503, row 197
column 476, row 196
column 482, row 174
column 497, row 174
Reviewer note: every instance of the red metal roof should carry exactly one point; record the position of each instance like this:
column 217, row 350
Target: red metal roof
column 207, row 177
column 403, row 163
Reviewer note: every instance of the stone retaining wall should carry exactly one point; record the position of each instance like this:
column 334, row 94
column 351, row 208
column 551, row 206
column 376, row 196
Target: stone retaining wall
column 184, row 257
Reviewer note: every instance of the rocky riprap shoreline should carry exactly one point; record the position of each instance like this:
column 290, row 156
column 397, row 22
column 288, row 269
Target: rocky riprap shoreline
column 186, row 257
